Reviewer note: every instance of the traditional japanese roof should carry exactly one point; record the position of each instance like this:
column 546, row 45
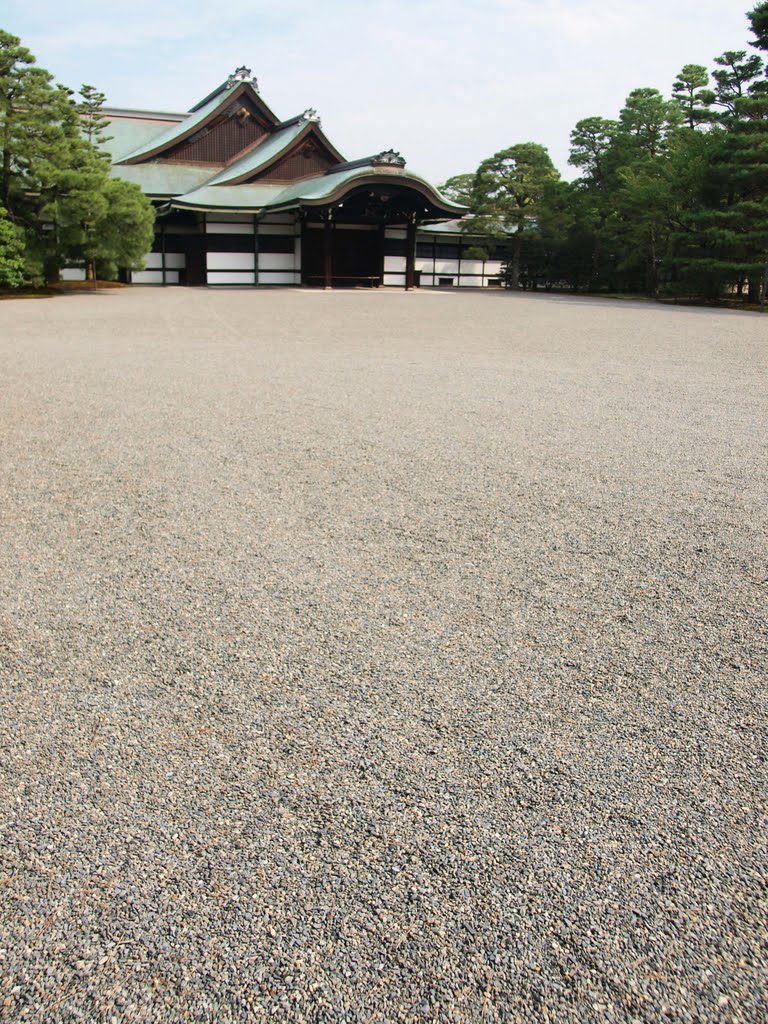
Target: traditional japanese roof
column 268, row 152
column 162, row 181
column 465, row 228
column 230, row 152
column 322, row 190
column 130, row 129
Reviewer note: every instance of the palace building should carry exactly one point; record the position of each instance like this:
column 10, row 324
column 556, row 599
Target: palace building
column 243, row 198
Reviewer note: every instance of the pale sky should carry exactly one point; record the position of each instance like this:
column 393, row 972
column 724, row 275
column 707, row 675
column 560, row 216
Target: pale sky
column 444, row 82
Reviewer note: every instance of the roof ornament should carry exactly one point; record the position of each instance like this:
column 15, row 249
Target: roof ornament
column 242, row 74
column 388, row 158
column 310, row 114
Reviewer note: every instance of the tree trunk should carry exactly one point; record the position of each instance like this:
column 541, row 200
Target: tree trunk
column 652, row 279
column 514, row 266
column 5, row 184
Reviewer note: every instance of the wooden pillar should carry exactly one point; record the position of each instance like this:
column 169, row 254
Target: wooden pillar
column 328, row 250
column 255, row 250
column 410, row 255
column 382, row 251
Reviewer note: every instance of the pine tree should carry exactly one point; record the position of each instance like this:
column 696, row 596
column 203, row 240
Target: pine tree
column 92, row 120
column 506, row 191
column 690, row 90
column 54, row 179
column 35, row 116
column 724, row 240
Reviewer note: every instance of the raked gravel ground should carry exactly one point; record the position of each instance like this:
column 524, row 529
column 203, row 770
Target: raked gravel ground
column 381, row 657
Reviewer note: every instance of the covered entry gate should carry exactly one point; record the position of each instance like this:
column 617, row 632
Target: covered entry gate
column 367, row 238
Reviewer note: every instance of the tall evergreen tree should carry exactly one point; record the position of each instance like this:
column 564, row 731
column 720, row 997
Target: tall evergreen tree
column 460, row 188
column 35, row 118
column 54, row 177
column 690, row 90
column 92, row 120
column 508, row 186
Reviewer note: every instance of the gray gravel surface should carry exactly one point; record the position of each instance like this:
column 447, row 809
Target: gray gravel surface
column 380, row 657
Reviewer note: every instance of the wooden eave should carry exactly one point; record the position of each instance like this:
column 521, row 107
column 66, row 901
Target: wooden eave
column 244, row 89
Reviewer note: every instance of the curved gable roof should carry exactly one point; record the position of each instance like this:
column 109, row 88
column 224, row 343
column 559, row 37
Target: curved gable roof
column 197, row 120
column 329, row 187
column 318, row 191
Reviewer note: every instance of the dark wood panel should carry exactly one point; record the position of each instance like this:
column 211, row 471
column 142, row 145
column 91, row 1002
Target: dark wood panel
column 303, row 162
column 220, row 143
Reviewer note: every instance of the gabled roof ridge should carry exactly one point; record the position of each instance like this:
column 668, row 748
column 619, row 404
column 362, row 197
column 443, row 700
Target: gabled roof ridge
column 387, row 158
column 241, row 74
column 310, row 114
column 151, row 115
column 196, row 120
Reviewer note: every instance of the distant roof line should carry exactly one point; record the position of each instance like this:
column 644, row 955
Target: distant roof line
column 145, row 115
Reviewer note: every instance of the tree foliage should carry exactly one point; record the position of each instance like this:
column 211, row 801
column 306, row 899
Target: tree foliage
column 54, row 176
column 507, row 190
column 672, row 194
column 12, row 259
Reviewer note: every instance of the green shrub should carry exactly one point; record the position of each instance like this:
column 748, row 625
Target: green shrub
column 13, row 260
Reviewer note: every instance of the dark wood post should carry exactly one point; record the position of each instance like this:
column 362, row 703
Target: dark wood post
column 328, row 250
column 410, row 255
column 382, row 251
column 256, row 250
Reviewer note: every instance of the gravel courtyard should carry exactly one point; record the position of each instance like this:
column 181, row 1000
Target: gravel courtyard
column 376, row 657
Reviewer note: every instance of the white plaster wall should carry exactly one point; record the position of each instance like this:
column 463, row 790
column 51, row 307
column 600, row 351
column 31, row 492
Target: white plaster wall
column 231, row 261
column 73, row 274
column 394, row 264
column 277, row 261
column 229, row 277
column 281, row 277
column 147, row 277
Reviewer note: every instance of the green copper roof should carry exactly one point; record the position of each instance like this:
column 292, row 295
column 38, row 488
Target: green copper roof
column 453, row 227
column 261, row 154
column 170, row 135
column 254, row 198
column 130, row 133
column 163, row 179
column 235, row 198
column 325, row 186
column 140, row 136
